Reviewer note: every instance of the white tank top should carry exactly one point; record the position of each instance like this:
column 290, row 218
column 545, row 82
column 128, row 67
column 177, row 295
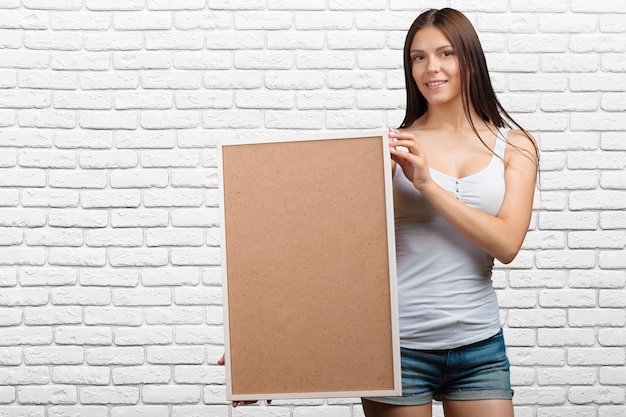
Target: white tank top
column 445, row 294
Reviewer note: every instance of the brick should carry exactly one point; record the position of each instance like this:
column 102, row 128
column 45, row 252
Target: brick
column 87, row 411
column 152, row 335
column 175, row 5
column 585, row 200
column 332, row 100
column 8, row 278
column 570, row 102
column 83, row 139
column 133, row 375
column 19, row 411
column 171, row 277
column 323, row 20
column 195, row 256
column 106, row 277
column 100, row 316
column 73, row 335
column 111, row 198
column 114, row 237
column 597, row 395
column 47, row 277
column 11, row 236
column 195, row 217
column 612, row 298
column 109, row 395
column 144, row 60
column 367, row 119
column 113, row 41
column 233, row 40
column 240, row 119
column 541, row 43
column 195, row 335
column 354, row 80
column 81, row 375
column 547, row 396
column 23, row 375
column 111, row 5
column 50, row 394
column 174, row 40
column 567, row 23
column 139, row 178
column 152, row 394
column 57, row 40
column 611, row 375
column 76, row 257
column 23, row 19
column 105, row 81
column 325, row 60
column 568, row 220
column 107, row 120
column 612, row 141
column 604, row 317
column 613, row 102
column 263, row 60
column 293, row 120
column 115, row 355
column 254, row 99
column 569, row 63
column 53, row 119
column 25, row 99
column 53, row 355
column 19, row 297
column 172, row 80
column 141, row 411
column 265, row 20
column 139, row 218
column 22, row 256
column 51, row 237
column 22, row 218
column 79, row 21
column 295, row 40
column 237, row 4
column 77, row 218
column 83, row 100
column 108, row 159
column 143, row 21
column 175, row 355
column 76, row 179
column 79, row 61
column 138, row 257
column 597, row 279
column 537, row 318
column 174, row 316
column 205, row 60
column 565, row 337
column 560, row 376
column 363, row 39
column 145, row 140
column 605, row 240
column 172, row 119
column 26, row 336
column 203, row 20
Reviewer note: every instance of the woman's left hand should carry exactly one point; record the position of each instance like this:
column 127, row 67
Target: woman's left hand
column 411, row 158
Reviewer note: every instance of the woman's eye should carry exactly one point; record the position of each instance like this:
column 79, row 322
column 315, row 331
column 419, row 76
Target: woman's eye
column 418, row 58
column 447, row 53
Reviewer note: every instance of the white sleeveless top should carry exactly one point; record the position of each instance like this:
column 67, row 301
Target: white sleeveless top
column 446, row 298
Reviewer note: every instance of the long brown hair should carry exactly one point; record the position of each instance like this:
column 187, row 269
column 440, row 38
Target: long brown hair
column 476, row 88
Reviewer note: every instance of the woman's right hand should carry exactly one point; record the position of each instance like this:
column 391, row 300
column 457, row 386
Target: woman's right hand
column 222, row 361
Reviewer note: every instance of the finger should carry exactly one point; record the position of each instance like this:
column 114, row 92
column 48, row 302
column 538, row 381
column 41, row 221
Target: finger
column 222, row 360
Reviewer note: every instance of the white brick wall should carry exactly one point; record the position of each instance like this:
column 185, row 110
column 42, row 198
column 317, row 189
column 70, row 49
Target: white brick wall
column 110, row 297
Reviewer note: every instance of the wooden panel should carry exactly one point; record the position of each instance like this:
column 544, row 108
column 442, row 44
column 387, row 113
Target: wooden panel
column 309, row 268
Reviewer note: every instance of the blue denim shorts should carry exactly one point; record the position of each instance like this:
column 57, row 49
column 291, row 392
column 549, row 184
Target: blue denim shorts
column 479, row 371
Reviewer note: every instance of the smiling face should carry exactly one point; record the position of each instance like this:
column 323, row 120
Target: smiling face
column 435, row 67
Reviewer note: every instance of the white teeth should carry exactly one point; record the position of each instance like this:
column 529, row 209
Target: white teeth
column 435, row 83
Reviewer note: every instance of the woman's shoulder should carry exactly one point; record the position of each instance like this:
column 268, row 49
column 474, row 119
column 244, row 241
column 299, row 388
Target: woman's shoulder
column 522, row 142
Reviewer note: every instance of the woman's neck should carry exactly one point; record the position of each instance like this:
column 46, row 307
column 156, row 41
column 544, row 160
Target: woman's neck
column 450, row 117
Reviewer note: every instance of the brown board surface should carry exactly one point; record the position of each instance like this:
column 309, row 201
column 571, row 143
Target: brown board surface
column 309, row 268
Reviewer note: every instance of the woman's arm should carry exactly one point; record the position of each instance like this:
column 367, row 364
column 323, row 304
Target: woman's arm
column 502, row 235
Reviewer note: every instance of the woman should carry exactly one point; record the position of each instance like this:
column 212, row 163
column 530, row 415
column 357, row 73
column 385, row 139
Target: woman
column 463, row 193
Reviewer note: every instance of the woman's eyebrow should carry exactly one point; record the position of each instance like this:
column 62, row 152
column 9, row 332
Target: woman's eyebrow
column 438, row 49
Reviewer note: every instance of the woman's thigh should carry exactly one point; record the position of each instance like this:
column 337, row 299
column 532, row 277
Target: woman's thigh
column 375, row 409
column 482, row 408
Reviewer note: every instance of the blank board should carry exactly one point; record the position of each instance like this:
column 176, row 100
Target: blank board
column 308, row 258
